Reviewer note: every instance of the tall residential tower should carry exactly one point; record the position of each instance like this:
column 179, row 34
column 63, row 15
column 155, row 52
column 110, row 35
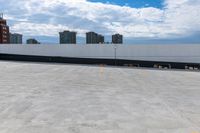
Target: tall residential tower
column 117, row 39
column 67, row 37
column 94, row 38
column 15, row 38
column 4, row 31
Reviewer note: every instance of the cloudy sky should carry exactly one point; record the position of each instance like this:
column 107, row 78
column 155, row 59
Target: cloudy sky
column 140, row 21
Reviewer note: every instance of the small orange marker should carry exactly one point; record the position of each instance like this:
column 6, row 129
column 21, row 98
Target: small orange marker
column 195, row 132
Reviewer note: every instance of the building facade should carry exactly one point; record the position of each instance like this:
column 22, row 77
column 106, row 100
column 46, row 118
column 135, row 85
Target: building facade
column 91, row 37
column 94, row 38
column 15, row 38
column 32, row 41
column 117, row 39
column 4, row 31
column 100, row 39
column 67, row 37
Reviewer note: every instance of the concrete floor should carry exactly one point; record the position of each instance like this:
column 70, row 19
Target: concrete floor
column 61, row 98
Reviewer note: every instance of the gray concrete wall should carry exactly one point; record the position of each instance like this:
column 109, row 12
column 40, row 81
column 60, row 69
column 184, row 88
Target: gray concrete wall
column 189, row 53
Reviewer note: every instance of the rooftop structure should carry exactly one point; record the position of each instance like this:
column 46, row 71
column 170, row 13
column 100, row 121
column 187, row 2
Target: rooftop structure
column 1, row 15
column 57, row 98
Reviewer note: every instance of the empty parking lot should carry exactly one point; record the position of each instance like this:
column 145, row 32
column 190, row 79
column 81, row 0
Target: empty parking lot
column 64, row 98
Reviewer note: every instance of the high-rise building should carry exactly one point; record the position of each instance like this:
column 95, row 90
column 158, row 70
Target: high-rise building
column 4, row 31
column 117, row 39
column 94, row 38
column 91, row 37
column 15, row 38
column 67, row 37
column 32, row 41
column 100, row 39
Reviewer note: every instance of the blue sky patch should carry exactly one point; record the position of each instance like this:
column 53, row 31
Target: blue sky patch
column 134, row 3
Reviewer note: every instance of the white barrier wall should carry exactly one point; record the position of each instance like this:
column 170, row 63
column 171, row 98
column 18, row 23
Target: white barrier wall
column 189, row 53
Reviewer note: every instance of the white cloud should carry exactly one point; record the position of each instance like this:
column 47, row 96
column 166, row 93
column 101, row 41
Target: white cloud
column 41, row 29
column 45, row 17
